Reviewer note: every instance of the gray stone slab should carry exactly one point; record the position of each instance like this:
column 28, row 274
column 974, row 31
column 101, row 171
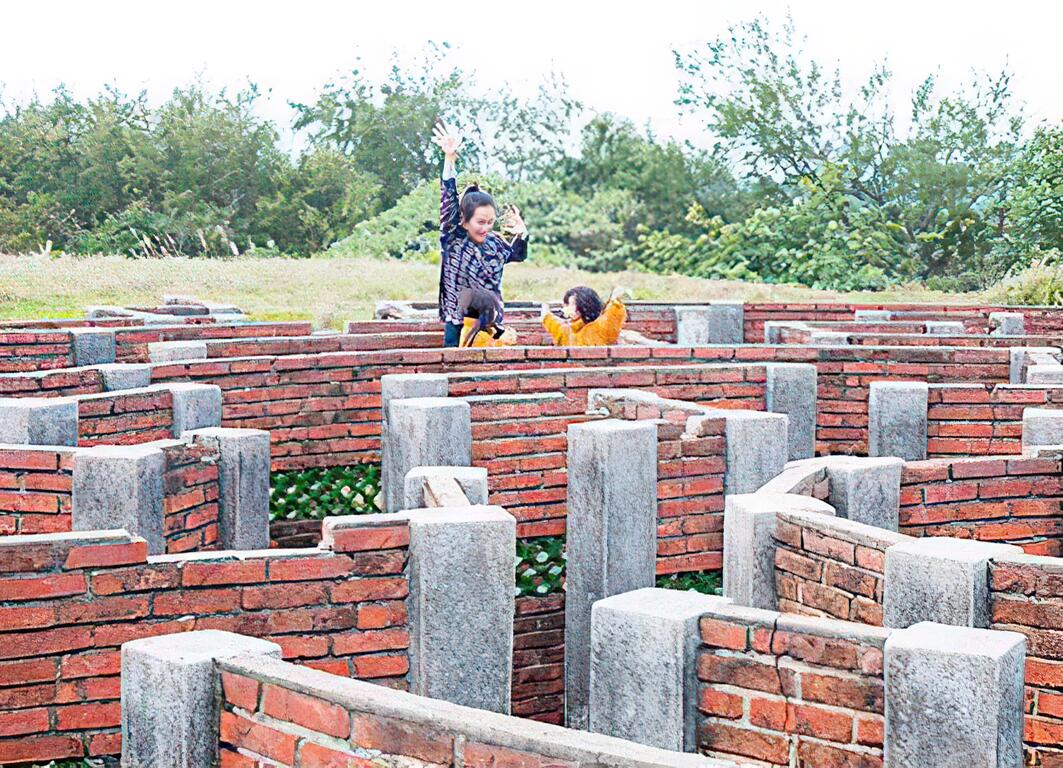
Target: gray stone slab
column 401, row 386
column 1007, row 324
column 773, row 331
column 716, row 323
column 120, row 487
column 945, row 328
column 872, row 316
column 472, row 480
column 749, row 544
column 461, row 605
column 866, row 490
column 195, row 406
column 829, row 338
column 897, row 419
column 954, row 697
column 1044, row 374
column 424, row 432
column 93, row 346
column 939, row 579
column 1022, row 358
column 1041, row 426
column 612, row 534
column 243, row 481
column 169, row 706
column 39, row 420
column 119, row 376
column 644, row 666
column 756, row 446
column 792, row 391
column 175, row 351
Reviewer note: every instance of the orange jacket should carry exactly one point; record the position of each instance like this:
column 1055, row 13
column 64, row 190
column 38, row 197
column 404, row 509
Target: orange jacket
column 602, row 332
column 485, row 338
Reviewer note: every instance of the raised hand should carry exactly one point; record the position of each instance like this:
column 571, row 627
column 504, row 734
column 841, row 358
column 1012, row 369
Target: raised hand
column 446, row 138
column 513, row 222
column 619, row 292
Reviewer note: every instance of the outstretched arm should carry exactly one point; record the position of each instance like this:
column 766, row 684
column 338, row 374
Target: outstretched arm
column 449, row 141
column 560, row 331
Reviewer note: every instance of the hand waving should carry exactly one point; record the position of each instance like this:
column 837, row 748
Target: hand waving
column 446, row 138
column 513, row 222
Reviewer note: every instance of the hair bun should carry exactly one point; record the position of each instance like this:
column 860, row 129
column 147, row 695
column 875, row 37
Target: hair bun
column 473, row 187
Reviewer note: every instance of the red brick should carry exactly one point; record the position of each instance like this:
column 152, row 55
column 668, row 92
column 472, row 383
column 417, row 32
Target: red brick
column 364, row 539
column 768, row 713
column 821, row 723
column 198, row 574
column 720, row 704
column 82, row 716
column 240, row 691
column 731, row 740
column 380, row 615
column 724, row 634
column 307, row 569
column 400, row 738
column 104, row 555
column 358, row 590
column 23, row 721
column 40, row 749
column 371, row 641
column 57, row 585
column 196, row 601
column 311, row 754
column 742, row 672
column 307, row 711
column 284, row 595
column 238, row 731
column 812, row 753
column 369, row 667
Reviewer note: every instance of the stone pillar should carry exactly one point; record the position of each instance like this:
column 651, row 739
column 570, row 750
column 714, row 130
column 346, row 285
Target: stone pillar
column 866, row 490
column 644, row 666
column 792, row 391
column 195, row 406
column 424, row 432
column 872, row 316
column 1022, row 358
column 718, row 323
column 954, row 697
column 756, row 445
column 1041, row 426
column 402, row 386
column 170, row 708
column 176, row 351
column 612, row 534
column 243, row 482
column 897, row 419
column 461, row 605
column 749, row 544
column 1007, row 324
column 38, row 420
column 119, row 376
column 944, row 328
column 120, row 487
column 939, row 579
column 471, row 480
column 93, row 346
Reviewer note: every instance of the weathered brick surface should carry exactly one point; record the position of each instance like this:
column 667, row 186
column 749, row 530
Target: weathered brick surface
column 982, row 419
column 1005, row 498
column 68, row 605
column 538, row 689
column 190, row 498
column 131, row 344
column 125, row 418
column 784, row 697
column 35, row 490
column 1027, row 597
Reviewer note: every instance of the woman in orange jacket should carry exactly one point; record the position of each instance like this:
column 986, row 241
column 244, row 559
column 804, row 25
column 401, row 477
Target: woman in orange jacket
column 589, row 324
column 480, row 310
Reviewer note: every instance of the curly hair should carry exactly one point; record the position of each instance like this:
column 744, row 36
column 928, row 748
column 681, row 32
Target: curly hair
column 588, row 303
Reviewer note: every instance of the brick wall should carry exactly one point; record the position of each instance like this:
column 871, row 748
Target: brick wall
column 982, row 419
column 35, row 489
column 1027, row 597
column 538, row 689
column 131, row 344
column 128, row 417
column 35, row 350
column 830, row 567
column 190, row 498
column 1009, row 499
column 790, row 691
column 57, row 383
column 68, row 603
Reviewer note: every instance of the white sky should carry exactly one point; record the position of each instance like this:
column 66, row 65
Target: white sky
column 615, row 55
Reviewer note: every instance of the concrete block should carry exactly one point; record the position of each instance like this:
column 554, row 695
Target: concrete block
column 1022, row 358
column 773, row 331
column 175, row 351
column 1051, row 375
column 756, row 445
column 716, row 323
column 243, row 481
column 792, row 391
column 872, row 316
column 424, row 432
column 897, row 419
column 954, row 697
column 1007, row 324
column 939, row 579
column 38, row 420
column 120, row 487
column 170, row 708
column 472, row 480
column 829, row 339
column 195, row 406
column 119, row 376
column 1042, row 426
column 461, row 605
column 644, row 666
column 749, row 544
column 944, row 328
column 866, row 490
column 612, row 534
column 93, row 346
column 400, row 387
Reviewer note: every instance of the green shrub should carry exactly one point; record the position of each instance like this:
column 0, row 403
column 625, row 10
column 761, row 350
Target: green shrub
column 1040, row 285
column 706, row 582
column 319, row 492
column 540, row 565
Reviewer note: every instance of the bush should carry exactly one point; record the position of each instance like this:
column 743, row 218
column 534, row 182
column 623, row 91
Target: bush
column 316, row 493
column 706, row 582
column 1040, row 285
column 540, row 565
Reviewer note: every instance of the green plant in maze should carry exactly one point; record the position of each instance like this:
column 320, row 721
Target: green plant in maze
column 319, row 492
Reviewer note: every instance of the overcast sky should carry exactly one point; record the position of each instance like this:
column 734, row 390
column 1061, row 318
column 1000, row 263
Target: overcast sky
column 615, row 55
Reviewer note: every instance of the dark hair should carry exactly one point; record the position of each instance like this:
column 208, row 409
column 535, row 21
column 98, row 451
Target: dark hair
column 484, row 305
column 473, row 198
column 588, row 303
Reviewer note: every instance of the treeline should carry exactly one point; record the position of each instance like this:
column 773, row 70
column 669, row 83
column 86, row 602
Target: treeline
column 802, row 184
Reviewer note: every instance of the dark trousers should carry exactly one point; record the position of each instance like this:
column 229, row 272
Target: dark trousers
column 451, row 334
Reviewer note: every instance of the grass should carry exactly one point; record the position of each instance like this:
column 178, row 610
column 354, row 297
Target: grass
column 331, row 291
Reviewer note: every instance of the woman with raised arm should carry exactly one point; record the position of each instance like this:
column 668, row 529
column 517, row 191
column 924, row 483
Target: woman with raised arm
column 471, row 254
